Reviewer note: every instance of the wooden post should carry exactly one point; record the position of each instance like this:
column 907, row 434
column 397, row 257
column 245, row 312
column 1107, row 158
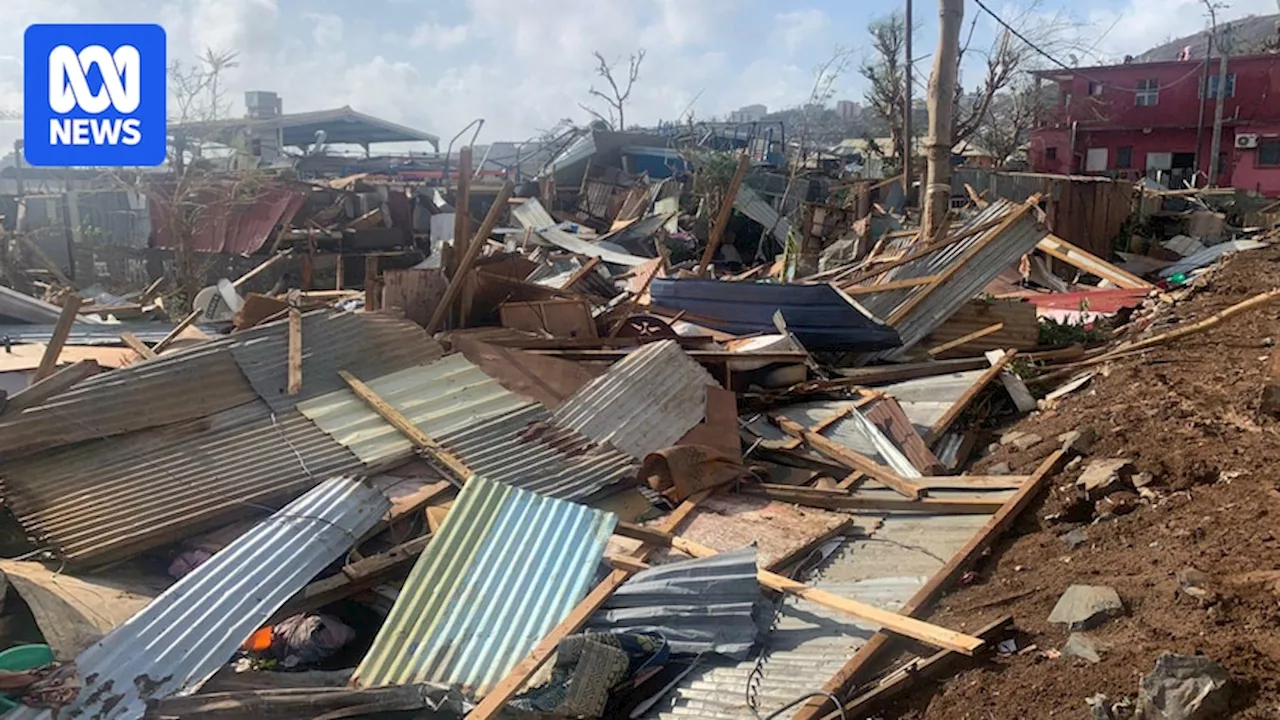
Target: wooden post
column 372, row 283
column 473, row 251
column 295, row 351
column 61, row 331
column 942, row 93
column 722, row 217
column 461, row 211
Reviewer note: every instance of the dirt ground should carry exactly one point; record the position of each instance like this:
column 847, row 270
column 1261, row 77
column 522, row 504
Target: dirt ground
column 1187, row 414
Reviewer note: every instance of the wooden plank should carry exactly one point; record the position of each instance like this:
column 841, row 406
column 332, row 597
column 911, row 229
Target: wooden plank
column 884, row 374
column 958, row 407
column 356, row 577
column 902, row 625
column 1081, row 259
column 469, row 259
column 587, row 267
column 133, row 343
column 841, row 499
column 461, row 210
column 372, row 283
column 826, row 422
column 415, row 435
column 58, row 382
column 723, row 214
column 965, row 339
column 885, row 267
column 194, row 315
column 975, row 197
column 507, row 688
column 295, row 351
column 907, row 676
column 43, row 259
column 886, row 287
column 61, row 331
column 851, row 459
column 845, row 678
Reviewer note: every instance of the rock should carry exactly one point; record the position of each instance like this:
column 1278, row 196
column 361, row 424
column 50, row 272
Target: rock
column 1099, row 708
column 1118, row 503
column 1184, row 687
column 1083, row 647
column 1085, row 607
column 1075, row 538
column 1101, row 477
column 1020, row 439
column 1078, row 441
column 1142, row 479
column 1000, row 469
column 1196, row 584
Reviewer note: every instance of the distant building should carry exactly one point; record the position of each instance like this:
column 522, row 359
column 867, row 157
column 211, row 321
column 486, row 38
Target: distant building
column 748, row 113
column 847, row 109
column 1144, row 120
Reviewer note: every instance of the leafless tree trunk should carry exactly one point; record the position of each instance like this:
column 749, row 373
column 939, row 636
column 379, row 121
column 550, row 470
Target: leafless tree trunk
column 942, row 90
column 616, row 99
column 886, row 75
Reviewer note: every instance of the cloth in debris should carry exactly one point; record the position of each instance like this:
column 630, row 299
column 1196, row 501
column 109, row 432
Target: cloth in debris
column 589, row 667
column 187, row 561
column 308, row 639
column 700, row 606
column 682, row 470
column 51, row 686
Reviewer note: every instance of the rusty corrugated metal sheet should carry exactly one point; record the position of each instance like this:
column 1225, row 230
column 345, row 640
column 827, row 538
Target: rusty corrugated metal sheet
column 369, row 344
column 106, row 500
column 239, row 227
column 495, row 432
column 645, row 402
column 191, row 630
column 505, row 567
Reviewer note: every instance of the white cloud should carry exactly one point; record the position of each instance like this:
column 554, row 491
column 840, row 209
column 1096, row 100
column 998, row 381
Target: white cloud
column 799, row 28
column 438, row 37
column 1140, row 25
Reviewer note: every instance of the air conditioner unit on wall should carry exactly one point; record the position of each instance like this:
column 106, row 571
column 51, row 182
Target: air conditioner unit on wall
column 1246, row 141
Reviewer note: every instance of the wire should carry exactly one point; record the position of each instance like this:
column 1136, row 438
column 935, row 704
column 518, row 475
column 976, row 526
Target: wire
column 830, row 696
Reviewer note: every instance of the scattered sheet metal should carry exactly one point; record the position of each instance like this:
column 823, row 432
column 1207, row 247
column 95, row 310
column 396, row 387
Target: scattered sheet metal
column 427, row 702
column 853, row 431
column 85, row 333
column 368, row 344
column 645, row 402
column 1208, row 256
column 105, row 500
column 74, row 612
column 704, row 605
column 808, row 642
column 23, row 308
column 182, row 638
column 532, row 216
column 749, row 203
column 986, row 254
column 925, row 400
column 820, row 316
column 506, row 566
column 493, row 431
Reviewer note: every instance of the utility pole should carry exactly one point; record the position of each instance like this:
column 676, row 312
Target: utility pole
column 909, row 78
column 942, row 98
column 1221, row 99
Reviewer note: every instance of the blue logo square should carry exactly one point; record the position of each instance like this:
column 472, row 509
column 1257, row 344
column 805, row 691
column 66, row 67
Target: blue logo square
column 94, row 95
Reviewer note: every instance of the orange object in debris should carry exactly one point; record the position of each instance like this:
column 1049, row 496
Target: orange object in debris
column 259, row 641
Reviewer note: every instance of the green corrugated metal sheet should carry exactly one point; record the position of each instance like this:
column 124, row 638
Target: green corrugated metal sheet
column 506, row 567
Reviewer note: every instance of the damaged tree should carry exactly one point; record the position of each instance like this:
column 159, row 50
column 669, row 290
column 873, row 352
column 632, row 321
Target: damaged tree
column 941, row 88
column 619, row 93
column 886, row 75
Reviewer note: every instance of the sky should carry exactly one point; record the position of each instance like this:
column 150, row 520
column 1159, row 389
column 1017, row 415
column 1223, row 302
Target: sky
column 522, row 65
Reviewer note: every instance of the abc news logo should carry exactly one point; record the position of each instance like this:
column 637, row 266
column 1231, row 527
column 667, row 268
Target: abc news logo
column 94, row 95
column 69, row 89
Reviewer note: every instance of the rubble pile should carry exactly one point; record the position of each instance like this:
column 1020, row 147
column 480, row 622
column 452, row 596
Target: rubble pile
column 637, row 439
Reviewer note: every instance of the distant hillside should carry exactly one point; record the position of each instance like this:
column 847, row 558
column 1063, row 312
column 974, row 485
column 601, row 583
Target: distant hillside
column 1252, row 35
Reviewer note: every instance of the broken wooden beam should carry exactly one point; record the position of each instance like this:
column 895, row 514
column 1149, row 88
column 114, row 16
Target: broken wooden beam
column 965, row 339
column 468, row 261
column 354, row 578
column 962, row 403
column 851, row 459
column 841, row 499
column 194, row 315
column 899, row 624
column 1056, row 247
column 58, row 382
column 852, row 671
column 397, row 420
column 61, row 331
column 295, row 352
column 133, row 343
column 723, row 214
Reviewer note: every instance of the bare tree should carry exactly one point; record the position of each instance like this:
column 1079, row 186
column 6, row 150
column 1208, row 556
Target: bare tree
column 885, row 72
column 1008, row 121
column 616, row 99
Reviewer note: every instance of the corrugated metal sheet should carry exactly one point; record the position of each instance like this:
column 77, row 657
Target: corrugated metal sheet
column 853, row 431
column 184, row 636
column 704, row 605
column 532, row 216
column 239, row 227
column 369, row 344
column 85, row 333
column 999, row 246
column 25, row 308
column 1209, row 255
column 173, row 388
column 645, row 402
column 749, row 203
column 105, row 500
column 505, row 567
column 809, row 642
column 926, row 400
column 490, row 428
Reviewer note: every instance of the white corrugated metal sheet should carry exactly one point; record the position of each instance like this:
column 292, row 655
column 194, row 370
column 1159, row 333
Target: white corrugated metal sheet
column 184, row 636
column 505, row 567
column 645, row 402
column 853, row 431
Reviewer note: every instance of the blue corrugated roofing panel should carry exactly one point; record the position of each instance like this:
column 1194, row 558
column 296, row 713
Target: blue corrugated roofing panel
column 187, row 633
column 506, row 566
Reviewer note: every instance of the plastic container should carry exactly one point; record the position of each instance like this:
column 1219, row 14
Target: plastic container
column 19, row 658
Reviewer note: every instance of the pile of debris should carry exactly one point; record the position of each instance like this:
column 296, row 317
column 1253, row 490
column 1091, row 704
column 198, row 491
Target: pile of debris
column 585, row 462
